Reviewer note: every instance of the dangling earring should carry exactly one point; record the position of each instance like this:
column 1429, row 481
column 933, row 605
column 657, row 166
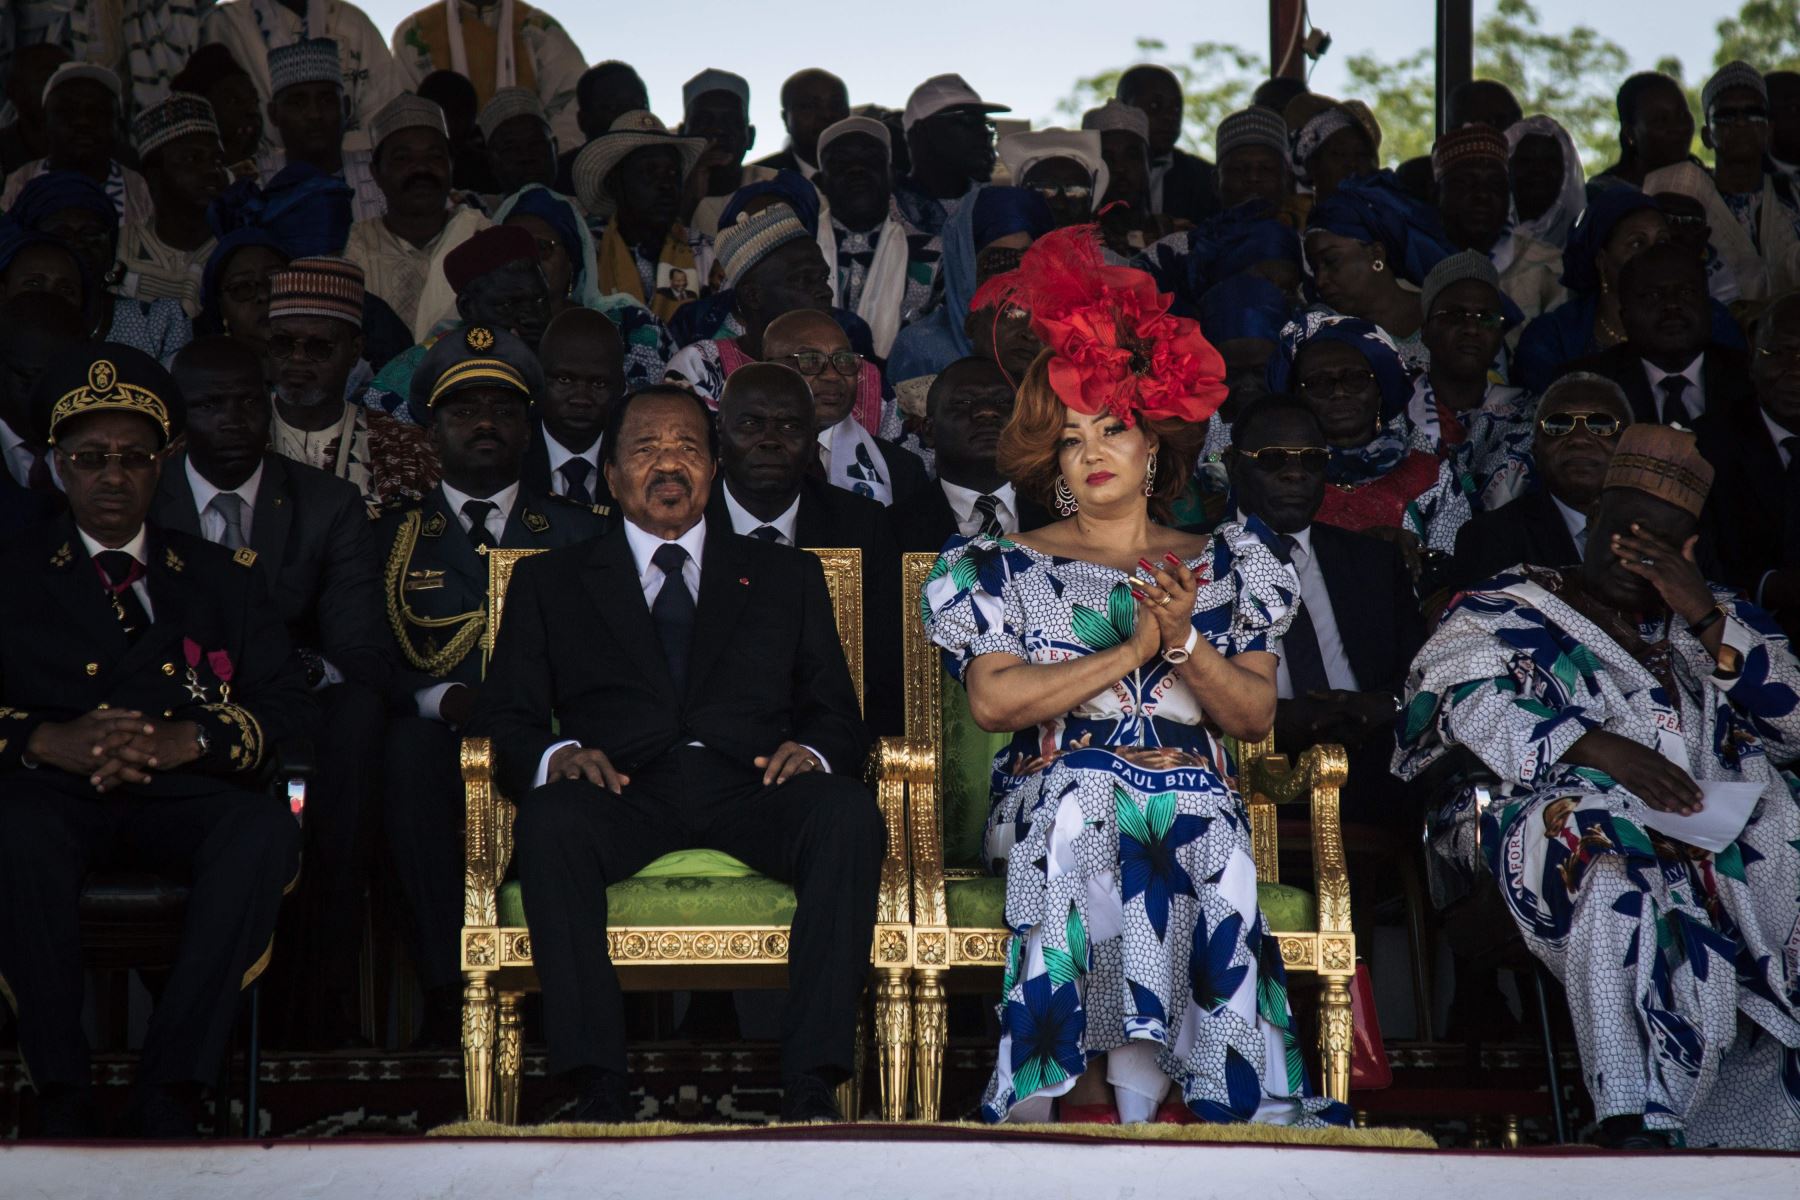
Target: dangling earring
column 1064, row 498
column 1150, row 475
column 1378, row 266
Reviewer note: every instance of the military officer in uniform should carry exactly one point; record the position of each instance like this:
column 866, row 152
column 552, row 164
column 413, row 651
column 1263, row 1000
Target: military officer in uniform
column 473, row 392
column 144, row 680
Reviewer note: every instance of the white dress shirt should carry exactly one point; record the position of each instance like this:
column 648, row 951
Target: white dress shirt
column 212, row 525
column 135, row 548
column 1694, row 395
column 1778, row 434
column 560, row 454
column 962, row 507
column 19, row 456
column 1317, row 601
column 644, row 546
column 430, row 698
column 743, row 520
column 1576, row 522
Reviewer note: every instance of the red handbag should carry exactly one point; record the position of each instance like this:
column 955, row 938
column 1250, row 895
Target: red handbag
column 1369, row 1066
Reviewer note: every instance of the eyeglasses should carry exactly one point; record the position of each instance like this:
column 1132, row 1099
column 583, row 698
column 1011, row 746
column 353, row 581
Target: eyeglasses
column 1329, row 385
column 1479, row 317
column 1562, row 424
column 1739, row 116
column 1786, row 357
column 1068, row 191
column 92, row 462
column 847, row 363
column 246, row 291
column 1275, row 458
column 313, row 349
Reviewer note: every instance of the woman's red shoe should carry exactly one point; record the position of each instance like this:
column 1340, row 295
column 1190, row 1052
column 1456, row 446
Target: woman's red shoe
column 1175, row 1112
column 1086, row 1114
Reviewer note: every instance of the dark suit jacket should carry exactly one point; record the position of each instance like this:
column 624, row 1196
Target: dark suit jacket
column 926, row 521
column 433, row 572
column 1529, row 529
column 63, row 653
column 21, row 508
column 783, row 160
column 1725, row 374
column 316, row 549
column 765, row 664
column 905, row 470
column 1372, row 598
column 535, row 472
column 1191, row 188
column 1749, row 522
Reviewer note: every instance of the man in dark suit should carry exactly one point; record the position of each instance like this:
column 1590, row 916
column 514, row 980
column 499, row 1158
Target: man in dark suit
column 1182, row 185
column 473, row 391
column 316, row 549
column 1671, row 372
column 144, row 680
column 812, row 101
column 584, row 376
column 1753, row 514
column 1578, row 423
column 34, row 327
column 766, row 442
column 850, row 456
column 701, row 699
column 1345, row 657
column 968, row 405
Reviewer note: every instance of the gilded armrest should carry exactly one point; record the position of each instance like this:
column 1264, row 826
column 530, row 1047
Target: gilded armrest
column 1319, row 774
column 487, row 833
column 889, row 775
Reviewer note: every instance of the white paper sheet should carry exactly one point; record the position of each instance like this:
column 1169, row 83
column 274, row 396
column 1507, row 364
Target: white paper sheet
column 1725, row 808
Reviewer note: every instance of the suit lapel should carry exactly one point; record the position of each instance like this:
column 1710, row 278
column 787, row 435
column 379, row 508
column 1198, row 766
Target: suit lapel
column 75, row 592
column 273, row 519
column 535, row 470
column 813, row 527
column 725, row 584
column 610, row 577
column 1553, row 531
column 175, row 498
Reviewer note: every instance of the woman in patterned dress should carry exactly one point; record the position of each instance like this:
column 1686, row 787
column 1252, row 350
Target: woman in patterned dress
column 1604, row 699
column 1124, row 650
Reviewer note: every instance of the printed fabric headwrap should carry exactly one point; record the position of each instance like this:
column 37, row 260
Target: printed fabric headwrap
column 559, row 212
column 1244, row 306
column 1115, row 346
column 306, row 210
column 1368, row 340
column 56, row 191
column 1375, row 208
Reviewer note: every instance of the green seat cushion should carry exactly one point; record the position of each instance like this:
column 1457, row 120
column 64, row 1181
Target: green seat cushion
column 981, row 904
column 966, row 772
column 719, row 891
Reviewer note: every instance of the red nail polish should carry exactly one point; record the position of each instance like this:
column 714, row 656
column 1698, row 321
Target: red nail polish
column 1146, row 564
column 1140, row 595
column 1171, row 560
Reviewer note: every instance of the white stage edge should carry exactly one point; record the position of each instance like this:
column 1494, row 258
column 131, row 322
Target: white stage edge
column 852, row 1169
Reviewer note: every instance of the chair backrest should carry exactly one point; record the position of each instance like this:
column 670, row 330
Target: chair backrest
column 500, row 569
column 843, row 579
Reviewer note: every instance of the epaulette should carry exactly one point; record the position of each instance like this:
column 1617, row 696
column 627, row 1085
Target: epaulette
column 244, row 556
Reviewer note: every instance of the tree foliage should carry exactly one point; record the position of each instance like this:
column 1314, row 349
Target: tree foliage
column 1765, row 33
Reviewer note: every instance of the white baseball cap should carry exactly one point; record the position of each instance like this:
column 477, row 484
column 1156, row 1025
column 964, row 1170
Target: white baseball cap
column 939, row 93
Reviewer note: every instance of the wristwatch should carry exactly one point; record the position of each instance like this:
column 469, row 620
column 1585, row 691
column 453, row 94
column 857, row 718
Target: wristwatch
column 1183, row 652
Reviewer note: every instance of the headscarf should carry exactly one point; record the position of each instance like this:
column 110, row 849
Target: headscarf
column 789, row 187
column 1388, row 447
column 998, row 211
column 1312, row 135
column 306, row 209
column 1243, row 306
column 1606, row 208
column 1376, row 208
column 1554, row 223
column 560, row 213
column 230, row 244
column 57, row 191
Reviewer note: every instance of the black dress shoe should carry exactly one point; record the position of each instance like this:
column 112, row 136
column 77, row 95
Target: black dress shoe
column 809, row 1100
column 165, row 1111
column 66, row 1112
column 601, row 1098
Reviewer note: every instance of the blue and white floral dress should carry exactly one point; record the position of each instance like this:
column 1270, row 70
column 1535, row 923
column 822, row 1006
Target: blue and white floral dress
column 1131, row 889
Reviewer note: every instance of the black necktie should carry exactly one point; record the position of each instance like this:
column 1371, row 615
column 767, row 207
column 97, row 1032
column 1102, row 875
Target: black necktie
column 1790, row 505
column 477, row 512
column 1306, row 665
column 575, row 473
column 767, row 533
column 1675, row 409
column 120, row 571
column 673, row 611
column 987, row 508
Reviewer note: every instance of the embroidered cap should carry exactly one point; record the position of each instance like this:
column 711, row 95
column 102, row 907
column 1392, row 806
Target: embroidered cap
column 754, row 237
column 1470, row 144
column 473, row 356
column 406, row 111
column 1732, row 75
column 309, row 60
column 318, row 287
column 1663, row 462
column 1253, row 126
column 510, row 102
column 103, row 377
column 1469, row 264
column 176, row 117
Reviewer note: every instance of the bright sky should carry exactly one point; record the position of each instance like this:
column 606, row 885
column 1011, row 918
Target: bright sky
column 1029, row 55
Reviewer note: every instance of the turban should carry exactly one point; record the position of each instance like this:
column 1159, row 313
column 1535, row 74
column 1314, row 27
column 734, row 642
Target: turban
column 558, row 212
column 1000, row 211
column 1243, row 306
column 1375, row 208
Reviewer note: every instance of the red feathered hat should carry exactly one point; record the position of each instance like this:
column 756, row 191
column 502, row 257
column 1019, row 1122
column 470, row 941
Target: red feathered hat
column 1114, row 343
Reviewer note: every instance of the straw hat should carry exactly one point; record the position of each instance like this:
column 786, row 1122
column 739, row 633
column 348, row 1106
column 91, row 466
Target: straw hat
column 631, row 131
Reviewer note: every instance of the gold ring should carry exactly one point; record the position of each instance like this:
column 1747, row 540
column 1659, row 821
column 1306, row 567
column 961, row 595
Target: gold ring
column 1165, row 601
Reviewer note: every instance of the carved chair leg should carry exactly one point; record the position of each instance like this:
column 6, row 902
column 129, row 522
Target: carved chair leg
column 1334, row 1035
column 478, row 1045
column 509, row 1058
column 893, row 1038
column 849, row 1092
column 929, row 1033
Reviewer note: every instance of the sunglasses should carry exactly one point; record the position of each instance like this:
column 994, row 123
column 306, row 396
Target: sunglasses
column 847, row 363
column 92, row 462
column 1479, row 317
column 1601, row 425
column 313, row 349
column 1275, row 458
column 1068, row 191
column 1329, row 385
column 1740, row 116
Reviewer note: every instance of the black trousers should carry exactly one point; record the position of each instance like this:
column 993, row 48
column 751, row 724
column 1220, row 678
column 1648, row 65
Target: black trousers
column 237, row 850
column 314, row 974
column 423, row 819
column 821, row 833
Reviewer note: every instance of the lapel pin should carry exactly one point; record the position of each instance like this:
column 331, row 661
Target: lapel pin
column 744, row 580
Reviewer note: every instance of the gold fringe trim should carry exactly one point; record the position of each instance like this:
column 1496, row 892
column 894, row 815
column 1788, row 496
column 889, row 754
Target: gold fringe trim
column 260, row 965
column 401, row 616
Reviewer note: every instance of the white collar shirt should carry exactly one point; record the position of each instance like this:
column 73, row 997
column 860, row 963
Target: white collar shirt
column 212, row 522
column 1317, row 600
column 743, row 520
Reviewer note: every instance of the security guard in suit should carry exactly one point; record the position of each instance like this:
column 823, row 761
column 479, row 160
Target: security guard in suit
column 144, row 680
column 473, row 391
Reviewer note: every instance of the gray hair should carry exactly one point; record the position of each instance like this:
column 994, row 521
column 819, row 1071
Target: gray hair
column 1580, row 377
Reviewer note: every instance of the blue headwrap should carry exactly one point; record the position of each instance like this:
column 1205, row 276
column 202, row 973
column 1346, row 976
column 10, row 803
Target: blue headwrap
column 1243, row 306
column 1606, row 208
column 15, row 238
column 1368, row 339
column 999, row 211
column 559, row 212
column 308, row 211
column 56, row 191
column 231, row 243
column 790, row 187
column 1375, row 208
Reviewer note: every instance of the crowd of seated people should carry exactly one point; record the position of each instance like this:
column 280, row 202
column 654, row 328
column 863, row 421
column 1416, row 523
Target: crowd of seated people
column 1481, row 467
